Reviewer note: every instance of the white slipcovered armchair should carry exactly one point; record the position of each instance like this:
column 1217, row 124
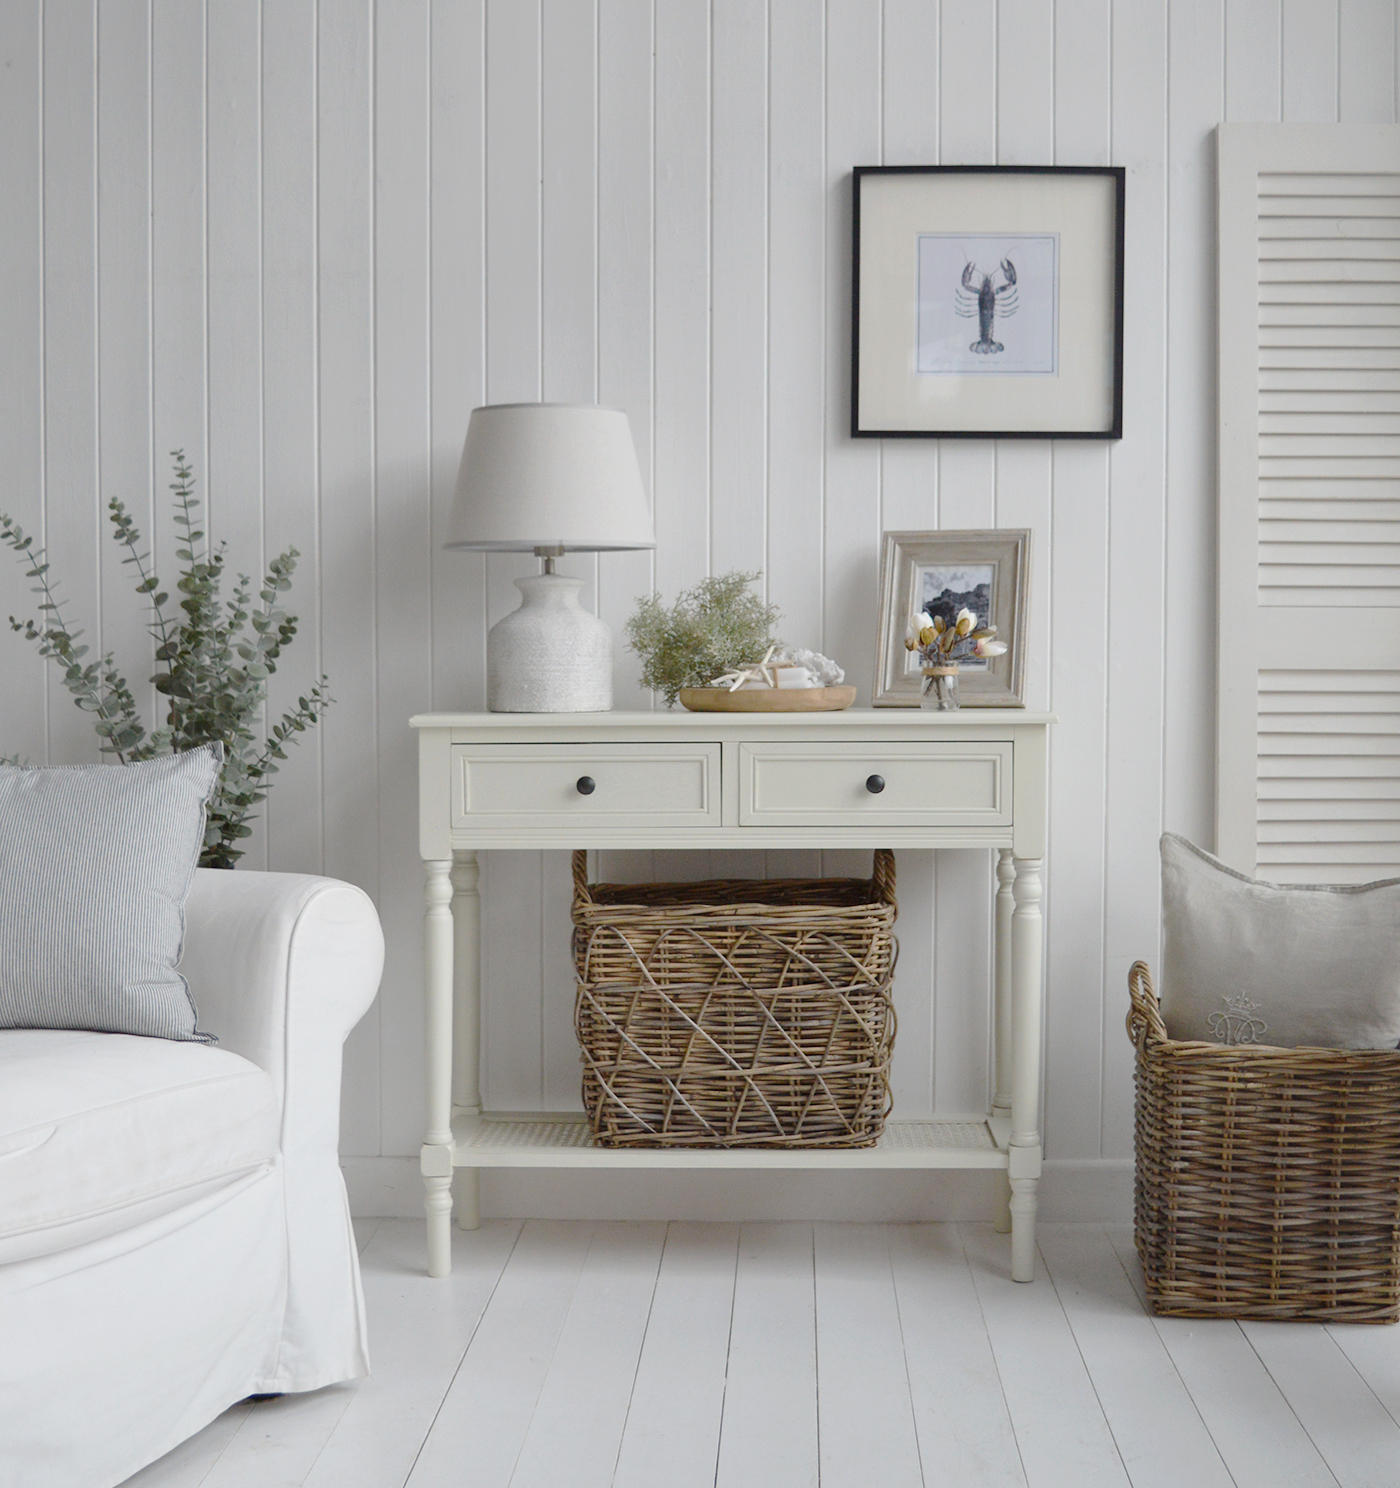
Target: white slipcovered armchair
column 174, row 1231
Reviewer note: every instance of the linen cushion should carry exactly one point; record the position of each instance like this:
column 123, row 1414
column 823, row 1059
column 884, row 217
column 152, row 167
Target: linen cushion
column 1248, row 962
column 95, row 863
column 100, row 1131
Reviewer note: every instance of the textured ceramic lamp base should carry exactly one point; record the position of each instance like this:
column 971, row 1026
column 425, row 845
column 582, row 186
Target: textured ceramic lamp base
column 550, row 655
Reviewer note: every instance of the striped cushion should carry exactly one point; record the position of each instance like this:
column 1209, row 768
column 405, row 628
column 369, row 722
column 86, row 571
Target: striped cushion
column 95, row 863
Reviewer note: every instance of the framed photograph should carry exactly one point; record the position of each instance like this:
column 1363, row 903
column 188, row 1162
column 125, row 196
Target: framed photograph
column 987, row 302
column 941, row 573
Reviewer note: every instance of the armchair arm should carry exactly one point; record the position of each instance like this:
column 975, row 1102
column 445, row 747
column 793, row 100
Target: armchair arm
column 281, row 967
column 280, row 964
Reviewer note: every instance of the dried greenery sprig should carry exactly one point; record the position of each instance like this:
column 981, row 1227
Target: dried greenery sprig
column 718, row 625
column 212, row 663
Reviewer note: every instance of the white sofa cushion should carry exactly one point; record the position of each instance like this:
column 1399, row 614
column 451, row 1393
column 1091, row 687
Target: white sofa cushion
column 99, row 1131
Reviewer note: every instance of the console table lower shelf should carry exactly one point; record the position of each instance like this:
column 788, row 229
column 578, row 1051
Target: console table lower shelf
column 560, row 1139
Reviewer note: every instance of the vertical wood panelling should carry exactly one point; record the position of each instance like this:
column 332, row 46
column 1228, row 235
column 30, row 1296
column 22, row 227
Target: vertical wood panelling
column 625, row 236
column 123, row 325
column 1078, row 671
column 796, row 319
column 1254, row 61
column 72, row 510
column 179, row 308
column 1196, row 103
column 1366, row 62
column 233, row 200
column 681, row 265
column 738, row 272
column 402, row 528
column 1137, row 534
column 24, row 682
column 288, row 393
column 1310, row 61
column 304, row 246
column 345, row 381
column 457, row 331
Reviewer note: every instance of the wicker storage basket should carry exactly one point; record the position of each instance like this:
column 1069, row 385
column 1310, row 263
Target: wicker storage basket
column 1268, row 1180
column 736, row 1013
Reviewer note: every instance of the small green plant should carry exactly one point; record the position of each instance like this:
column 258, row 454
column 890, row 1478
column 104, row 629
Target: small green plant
column 212, row 664
column 716, row 626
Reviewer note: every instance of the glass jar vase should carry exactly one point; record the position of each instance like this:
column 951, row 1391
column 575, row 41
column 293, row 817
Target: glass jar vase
column 940, row 689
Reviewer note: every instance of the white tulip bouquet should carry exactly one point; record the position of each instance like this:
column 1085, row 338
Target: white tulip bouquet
column 942, row 645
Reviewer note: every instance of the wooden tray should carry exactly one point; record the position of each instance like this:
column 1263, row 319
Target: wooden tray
column 767, row 699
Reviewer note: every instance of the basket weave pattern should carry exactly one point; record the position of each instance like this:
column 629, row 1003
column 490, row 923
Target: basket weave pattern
column 735, row 1013
column 1267, row 1180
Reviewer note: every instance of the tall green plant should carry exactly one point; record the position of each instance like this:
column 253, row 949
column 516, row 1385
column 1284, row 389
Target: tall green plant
column 212, row 663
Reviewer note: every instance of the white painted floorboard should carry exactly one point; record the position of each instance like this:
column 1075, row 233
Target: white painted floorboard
column 576, row 1355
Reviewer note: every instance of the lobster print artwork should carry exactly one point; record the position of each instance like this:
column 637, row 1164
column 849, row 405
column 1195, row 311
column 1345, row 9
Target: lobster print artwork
column 983, row 280
column 987, row 302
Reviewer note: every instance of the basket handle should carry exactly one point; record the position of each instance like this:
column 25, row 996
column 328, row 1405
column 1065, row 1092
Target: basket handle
column 882, row 877
column 1144, row 1016
column 581, row 894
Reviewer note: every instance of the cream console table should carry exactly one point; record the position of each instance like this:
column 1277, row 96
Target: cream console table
column 863, row 778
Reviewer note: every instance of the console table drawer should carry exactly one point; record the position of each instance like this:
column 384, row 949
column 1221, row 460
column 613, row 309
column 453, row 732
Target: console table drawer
column 854, row 784
column 548, row 785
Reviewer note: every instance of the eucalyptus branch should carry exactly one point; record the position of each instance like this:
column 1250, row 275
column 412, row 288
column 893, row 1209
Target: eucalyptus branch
column 213, row 662
column 98, row 687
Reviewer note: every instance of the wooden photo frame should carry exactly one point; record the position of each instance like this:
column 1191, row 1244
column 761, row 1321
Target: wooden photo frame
column 989, row 572
column 987, row 302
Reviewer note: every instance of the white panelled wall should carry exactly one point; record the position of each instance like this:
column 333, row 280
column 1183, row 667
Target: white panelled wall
column 301, row 240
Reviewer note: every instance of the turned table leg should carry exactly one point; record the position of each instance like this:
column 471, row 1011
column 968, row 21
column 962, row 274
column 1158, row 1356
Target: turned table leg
column 1001, row 1098
column 1024, row 1153
column 466, row 1022
column 436, row 1158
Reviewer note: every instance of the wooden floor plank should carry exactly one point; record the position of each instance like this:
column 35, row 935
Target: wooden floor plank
column 1352, row 1430
column 419, row 1328
column 187, row 1465
column 768, row 1438
column 364, row 1232
column 673, row 1422
column 1160, row 1435
column 965, row 1435
column 478, row 1433
column 576, row 1431
column 1064, row 1439
column 865, row 1414
column 1251, row 1422
column 280, row 1440
column 1374, row 1351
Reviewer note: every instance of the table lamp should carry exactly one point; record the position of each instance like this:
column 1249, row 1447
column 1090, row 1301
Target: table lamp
column 549, row 478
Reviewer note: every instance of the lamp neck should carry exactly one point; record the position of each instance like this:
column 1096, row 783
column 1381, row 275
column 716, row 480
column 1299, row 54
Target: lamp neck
column 547, row 555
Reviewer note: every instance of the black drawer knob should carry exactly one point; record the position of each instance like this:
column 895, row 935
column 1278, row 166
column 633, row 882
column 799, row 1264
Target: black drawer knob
column 874, row 784
column 586, row 785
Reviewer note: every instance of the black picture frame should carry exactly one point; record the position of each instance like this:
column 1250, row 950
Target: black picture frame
column 921, row 382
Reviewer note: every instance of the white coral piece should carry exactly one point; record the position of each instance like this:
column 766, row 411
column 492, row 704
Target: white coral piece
column 826, row 672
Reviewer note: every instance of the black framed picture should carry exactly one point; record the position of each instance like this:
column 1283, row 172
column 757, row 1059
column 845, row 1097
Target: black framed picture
column 987, row 302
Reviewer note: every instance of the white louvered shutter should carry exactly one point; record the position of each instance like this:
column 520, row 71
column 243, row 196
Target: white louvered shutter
column 1308, row 720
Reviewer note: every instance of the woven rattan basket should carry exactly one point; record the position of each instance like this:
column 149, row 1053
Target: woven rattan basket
column 736, row 1013
column 1268, row 1180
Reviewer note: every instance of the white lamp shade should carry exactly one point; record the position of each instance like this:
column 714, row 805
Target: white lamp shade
column 549, row 475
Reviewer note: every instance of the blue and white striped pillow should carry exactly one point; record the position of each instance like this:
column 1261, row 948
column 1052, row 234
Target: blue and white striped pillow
column 95, row 864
